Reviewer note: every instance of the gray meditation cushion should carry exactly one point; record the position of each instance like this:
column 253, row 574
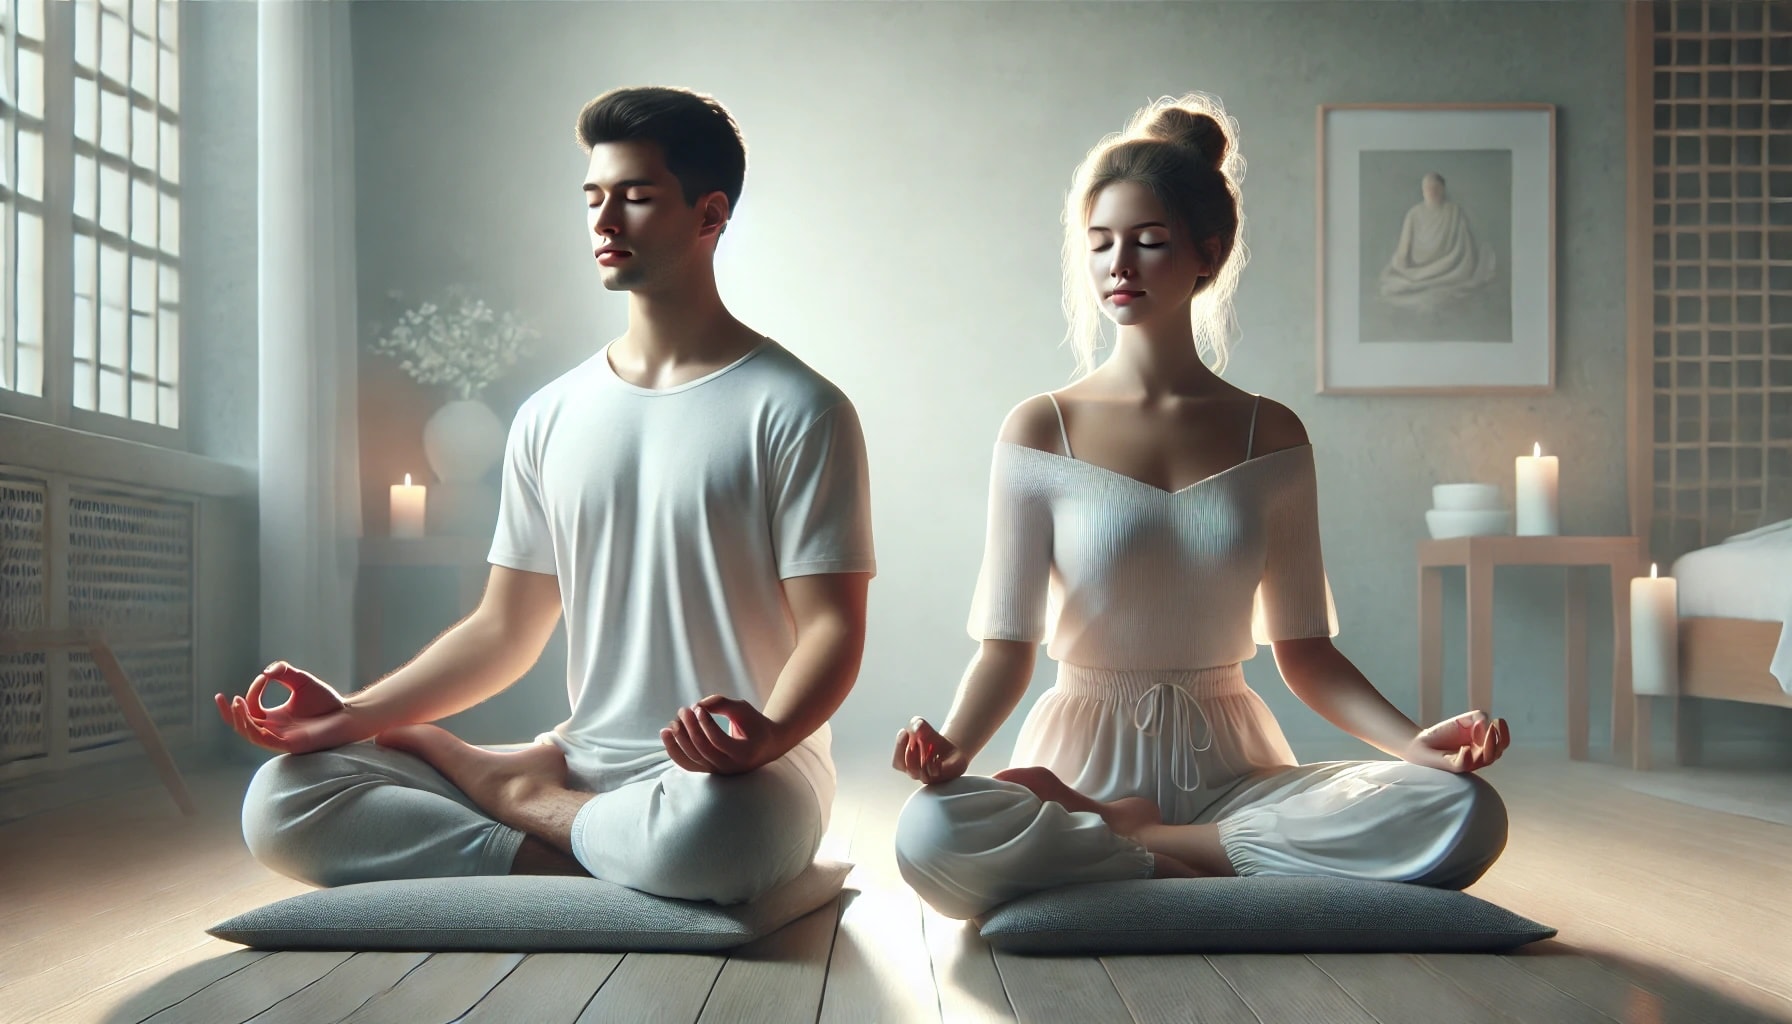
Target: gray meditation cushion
column 1261, row 914
column 523, row 914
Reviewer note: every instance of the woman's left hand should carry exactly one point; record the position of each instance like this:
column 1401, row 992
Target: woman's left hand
column 1466, row 743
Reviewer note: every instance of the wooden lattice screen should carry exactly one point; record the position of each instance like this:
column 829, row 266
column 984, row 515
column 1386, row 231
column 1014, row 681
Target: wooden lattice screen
column 1711, row 270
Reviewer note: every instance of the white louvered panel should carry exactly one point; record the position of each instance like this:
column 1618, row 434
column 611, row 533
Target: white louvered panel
column 81, row 554
column 162, row 677
column 130, row 564
column 130, row 574
column 24, row 680
column 24, row 603
column 24, row 582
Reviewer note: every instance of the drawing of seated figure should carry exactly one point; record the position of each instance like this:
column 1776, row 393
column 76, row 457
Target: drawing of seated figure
column 1437, row 260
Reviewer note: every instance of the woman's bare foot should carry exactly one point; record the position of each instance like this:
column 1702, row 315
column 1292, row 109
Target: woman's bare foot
column 1125, row 816
column 1163, row 866
column 498, row 782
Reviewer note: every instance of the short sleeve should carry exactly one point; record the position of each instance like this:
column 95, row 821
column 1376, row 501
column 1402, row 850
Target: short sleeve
column 821, row 499
column 1011, row 599
column 522, row 539
column 1294, row 598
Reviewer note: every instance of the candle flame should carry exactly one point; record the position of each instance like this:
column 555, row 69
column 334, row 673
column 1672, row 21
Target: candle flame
column 407, row 479
column 1652, row 570
column 1537, row 450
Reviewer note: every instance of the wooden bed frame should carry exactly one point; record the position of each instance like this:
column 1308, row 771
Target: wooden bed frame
column 1720, row 658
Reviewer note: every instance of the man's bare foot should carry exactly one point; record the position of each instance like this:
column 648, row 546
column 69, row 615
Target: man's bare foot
column 498, row 782
column 1125, row 816
column 536, row 857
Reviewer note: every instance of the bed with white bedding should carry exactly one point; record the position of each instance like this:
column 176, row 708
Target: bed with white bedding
column 1736, row 617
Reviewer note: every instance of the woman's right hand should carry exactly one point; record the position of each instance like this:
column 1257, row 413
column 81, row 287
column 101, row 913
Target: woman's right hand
column 926, row 756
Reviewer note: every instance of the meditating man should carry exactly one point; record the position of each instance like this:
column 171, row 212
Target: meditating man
column 1437, row 260
column 694, row 499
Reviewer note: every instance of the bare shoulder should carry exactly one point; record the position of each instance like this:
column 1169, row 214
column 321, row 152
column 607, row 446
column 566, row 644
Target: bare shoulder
column 1034, row 424
column 1277, row 428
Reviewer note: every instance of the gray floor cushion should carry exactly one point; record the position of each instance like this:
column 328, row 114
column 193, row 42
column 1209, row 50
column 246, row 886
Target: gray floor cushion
column 1262, row 914
column 522, row 913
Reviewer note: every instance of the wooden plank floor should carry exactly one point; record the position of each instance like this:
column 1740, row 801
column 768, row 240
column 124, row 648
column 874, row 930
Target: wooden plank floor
column 1667, row 913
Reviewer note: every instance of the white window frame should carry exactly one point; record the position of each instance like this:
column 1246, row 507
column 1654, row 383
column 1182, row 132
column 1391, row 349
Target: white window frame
column 57, row 405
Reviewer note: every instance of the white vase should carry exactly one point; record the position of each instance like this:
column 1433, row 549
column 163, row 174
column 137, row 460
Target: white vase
column 462, row 440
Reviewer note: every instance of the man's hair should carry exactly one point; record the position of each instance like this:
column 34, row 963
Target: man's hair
column 699, row 138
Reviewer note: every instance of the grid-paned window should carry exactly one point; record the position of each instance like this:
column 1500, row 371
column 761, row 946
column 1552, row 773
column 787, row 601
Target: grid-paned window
column 22, row 197
column 92, row 186
column 126, row 324
column 1720, row 257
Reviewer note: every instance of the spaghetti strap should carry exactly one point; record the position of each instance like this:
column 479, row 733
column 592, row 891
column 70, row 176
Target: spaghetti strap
column 1250, row 442
column 1065, row 434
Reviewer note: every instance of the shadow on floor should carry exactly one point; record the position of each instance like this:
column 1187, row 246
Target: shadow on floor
column 1644, row 992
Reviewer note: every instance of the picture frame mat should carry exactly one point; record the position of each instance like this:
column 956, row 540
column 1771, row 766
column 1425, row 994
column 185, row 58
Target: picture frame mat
column 1346, row 364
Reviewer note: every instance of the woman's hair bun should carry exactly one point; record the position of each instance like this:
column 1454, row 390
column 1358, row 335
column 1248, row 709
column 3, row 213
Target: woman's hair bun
column 1193, row 129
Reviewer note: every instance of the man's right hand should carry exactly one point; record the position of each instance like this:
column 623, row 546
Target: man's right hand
column 314, row 718
column 926, row 755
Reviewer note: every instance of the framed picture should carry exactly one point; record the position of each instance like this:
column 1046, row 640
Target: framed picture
column 1437, row 241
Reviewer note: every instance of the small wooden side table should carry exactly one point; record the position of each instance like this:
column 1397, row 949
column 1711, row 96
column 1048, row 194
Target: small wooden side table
column 1478, row 557
column 380, row 555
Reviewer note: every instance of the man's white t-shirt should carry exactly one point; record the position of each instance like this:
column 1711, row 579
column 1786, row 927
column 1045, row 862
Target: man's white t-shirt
column 670, row 518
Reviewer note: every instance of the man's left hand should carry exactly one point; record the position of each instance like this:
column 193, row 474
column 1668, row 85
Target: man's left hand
column 697, row 744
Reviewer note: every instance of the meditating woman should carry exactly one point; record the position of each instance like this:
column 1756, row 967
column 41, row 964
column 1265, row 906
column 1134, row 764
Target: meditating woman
column 1154, row 523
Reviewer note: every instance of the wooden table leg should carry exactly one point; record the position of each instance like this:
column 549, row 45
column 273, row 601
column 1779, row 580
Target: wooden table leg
column 1480, row 633
column 145, row 727
column 1574, row 614
column 1623, row 702
column 1431, row 645
column 1687, row 731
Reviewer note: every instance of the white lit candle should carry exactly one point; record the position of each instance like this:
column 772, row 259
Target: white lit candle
column 1655, row 635
column 1536, row 504
column 407, row 508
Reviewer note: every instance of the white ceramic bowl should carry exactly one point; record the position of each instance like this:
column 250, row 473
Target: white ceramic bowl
column 1467, row 523
column 1466, row 497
